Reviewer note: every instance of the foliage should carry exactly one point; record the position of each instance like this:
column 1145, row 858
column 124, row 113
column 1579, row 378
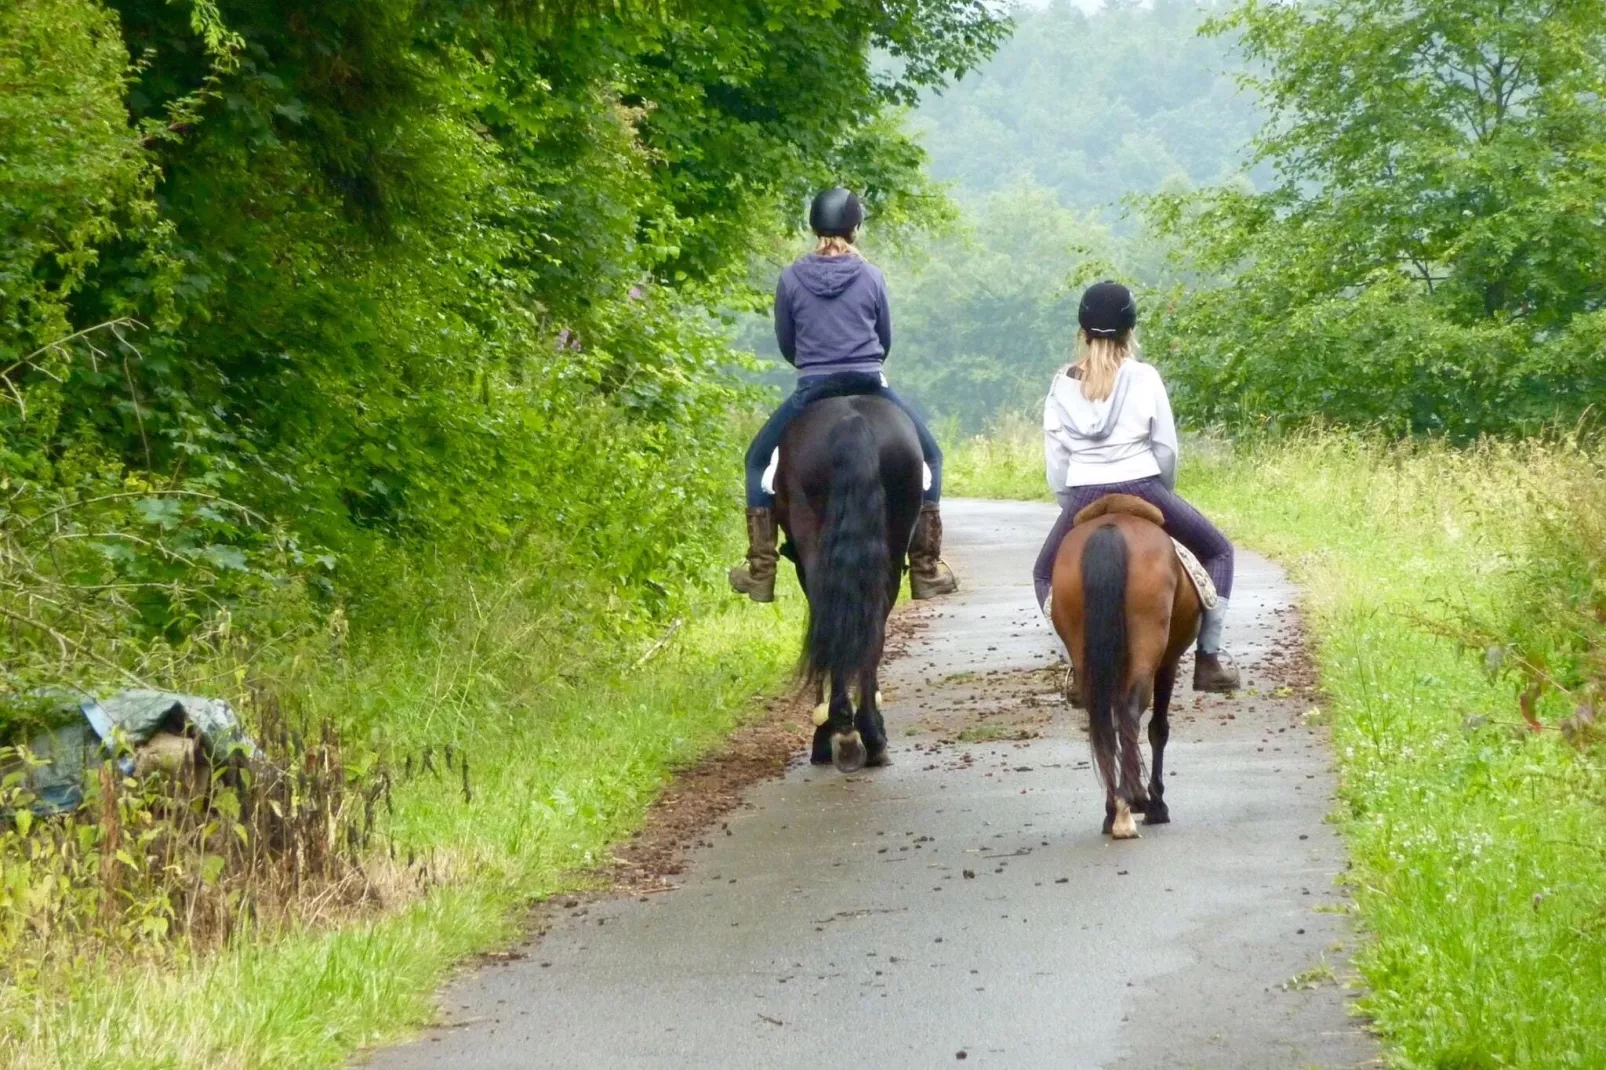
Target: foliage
column 74, row 176
column 384, row 274
column 1426, row 258
column 569, row 737
column 1547, row 635
column 181, row 853
column 1005, row 462
column 984, row 315
column 1095, row 106
column 1476, row 843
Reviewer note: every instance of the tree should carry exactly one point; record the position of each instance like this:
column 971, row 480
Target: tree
column 1094, row 106
column 415, row 279
column 984, row 315
column 1429, row 257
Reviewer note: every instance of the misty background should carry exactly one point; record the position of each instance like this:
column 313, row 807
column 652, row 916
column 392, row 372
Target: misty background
column 1043, row 150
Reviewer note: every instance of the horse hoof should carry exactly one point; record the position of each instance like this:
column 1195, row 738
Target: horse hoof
column 1123, row 827
column 878, row 759
column 1157, row 814
column 847, row 752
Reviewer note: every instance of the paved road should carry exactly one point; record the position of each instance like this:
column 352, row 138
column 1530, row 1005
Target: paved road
column 961, row 903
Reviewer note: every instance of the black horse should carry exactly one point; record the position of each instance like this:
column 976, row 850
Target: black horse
column 847, row 494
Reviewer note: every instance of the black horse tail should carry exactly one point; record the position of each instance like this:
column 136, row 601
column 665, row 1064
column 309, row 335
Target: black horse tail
column 848, row 588
column 1104, row 617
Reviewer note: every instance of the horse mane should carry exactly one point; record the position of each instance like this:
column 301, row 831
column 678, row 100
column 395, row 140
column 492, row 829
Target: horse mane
column 1120, row 503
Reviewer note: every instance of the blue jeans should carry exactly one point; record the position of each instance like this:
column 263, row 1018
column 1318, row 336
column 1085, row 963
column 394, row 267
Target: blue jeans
column 809, row 389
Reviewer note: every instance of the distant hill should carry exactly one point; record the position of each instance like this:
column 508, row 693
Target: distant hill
column 1095, row 106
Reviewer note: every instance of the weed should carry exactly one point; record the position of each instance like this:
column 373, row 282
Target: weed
column 568, row 745
column 1320, row 974
column 181, row 859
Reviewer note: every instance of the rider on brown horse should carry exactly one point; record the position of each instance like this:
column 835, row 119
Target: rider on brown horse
column 834, row 325
column 1108, row 429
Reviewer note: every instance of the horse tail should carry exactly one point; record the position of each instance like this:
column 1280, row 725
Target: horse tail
column 1104, row 619
column 848, row 588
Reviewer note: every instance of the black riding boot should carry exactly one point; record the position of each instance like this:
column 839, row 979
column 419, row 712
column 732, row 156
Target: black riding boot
column 756, row 579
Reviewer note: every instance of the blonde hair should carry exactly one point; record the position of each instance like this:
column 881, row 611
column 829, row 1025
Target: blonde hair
column 1100, row 359
column 836, row 245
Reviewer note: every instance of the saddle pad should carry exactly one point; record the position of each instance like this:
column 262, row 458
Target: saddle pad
column 767, row 480
column 1196, row 572
column 1190, row 564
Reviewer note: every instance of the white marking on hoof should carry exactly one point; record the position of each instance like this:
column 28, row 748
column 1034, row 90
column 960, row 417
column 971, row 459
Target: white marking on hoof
column 878, row 698
column 1123, row 828
column 847, row 752
column 822, row 714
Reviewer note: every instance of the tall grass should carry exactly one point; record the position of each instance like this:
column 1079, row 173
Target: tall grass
column 1006, row 462
column 569, row 726
column 1478, row 844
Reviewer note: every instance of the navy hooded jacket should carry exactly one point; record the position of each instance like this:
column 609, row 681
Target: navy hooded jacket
column 831, row 315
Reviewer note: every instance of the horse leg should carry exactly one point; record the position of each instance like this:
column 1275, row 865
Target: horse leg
column 1131, row 715
column 820, row 751
column 847, row 745
column 1159, row 732
column 872, row 727
column 1117, row 811
column 1127, row 795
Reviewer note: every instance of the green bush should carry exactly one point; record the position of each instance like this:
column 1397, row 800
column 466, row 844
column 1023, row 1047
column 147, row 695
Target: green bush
column 1425, row 261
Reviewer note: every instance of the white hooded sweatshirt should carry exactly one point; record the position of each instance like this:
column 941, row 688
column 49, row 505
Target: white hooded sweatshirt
column 1128, row 436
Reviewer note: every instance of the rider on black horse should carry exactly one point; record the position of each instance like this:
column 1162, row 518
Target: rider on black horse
column 834, row 325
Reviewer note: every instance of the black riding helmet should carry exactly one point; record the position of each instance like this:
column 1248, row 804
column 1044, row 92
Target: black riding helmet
column 1108, row 309
column 835, row 213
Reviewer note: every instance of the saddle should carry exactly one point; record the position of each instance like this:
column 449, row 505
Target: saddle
column 1132, row 505
column 841, row 385
column 1129, row 504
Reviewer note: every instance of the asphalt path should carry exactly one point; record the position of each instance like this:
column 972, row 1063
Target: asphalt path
column 961, row 904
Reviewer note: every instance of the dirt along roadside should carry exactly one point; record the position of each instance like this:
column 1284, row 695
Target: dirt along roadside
column 961, row 903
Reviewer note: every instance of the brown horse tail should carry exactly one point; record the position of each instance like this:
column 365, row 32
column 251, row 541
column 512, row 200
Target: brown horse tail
column 1104, row 618
column 848, row 589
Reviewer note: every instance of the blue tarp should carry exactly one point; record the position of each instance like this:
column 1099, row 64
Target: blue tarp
column 114, row 727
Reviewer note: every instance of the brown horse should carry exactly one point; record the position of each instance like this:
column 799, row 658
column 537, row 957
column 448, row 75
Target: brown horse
column 1127, row 612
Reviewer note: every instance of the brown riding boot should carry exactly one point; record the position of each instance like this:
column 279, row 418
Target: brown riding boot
column 1210, row 675
column 928, row 576
column 756, row 579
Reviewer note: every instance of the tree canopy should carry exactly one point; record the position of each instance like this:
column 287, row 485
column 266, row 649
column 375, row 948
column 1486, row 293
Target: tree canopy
column 1428, row 258
column 392, row 274
column 1044, row 147
column 1095, row 106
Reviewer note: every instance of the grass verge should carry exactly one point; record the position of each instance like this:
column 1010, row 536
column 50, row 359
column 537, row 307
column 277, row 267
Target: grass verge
column 1478, row 846
column 1007, row 462
column 565, row 761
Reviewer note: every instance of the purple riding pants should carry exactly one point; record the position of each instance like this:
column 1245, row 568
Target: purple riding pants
column 1182, row 522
